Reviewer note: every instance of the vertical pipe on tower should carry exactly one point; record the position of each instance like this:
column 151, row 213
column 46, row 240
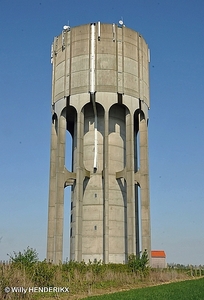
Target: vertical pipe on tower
column 92, row 89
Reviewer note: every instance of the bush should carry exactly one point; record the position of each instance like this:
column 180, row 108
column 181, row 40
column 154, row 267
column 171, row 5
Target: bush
column 27, row 258
column 43, row 273
column 138, row 263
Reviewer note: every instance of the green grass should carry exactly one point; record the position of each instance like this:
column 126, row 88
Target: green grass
column 185, row 290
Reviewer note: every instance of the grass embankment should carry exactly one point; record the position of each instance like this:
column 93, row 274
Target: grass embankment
column 185, row 290
column 82, row 279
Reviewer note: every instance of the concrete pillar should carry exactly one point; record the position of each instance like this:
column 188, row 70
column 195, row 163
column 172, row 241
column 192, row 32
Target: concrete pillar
column 136, row 162
column 106, row 189
column 130, row 184
column 144, row 185
column 52, row 193
column 59, row 218
column 137, row 224
column 79, row 187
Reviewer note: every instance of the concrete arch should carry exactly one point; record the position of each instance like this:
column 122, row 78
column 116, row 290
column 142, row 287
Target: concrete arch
column 120, row 105
column 54, row 123
column 144, row 112
column 71, row 117
column 59, row 106
column 54, row 117
column 117, row 136
column 93, row 137
column 89, row 111
column 63, row 112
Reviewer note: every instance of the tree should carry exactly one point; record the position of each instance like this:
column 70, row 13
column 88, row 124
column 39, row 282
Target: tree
column 26, row 258
column 138, row 263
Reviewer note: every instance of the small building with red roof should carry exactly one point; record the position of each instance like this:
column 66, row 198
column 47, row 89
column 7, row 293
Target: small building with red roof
column 158, row 259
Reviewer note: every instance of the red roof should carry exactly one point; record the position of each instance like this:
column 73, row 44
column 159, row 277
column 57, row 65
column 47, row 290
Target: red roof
column 158, row 253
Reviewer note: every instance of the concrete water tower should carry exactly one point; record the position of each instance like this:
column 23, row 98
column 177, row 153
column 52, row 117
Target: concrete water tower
column 100, row 94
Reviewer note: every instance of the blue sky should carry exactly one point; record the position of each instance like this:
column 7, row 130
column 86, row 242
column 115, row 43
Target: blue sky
column 174, row 31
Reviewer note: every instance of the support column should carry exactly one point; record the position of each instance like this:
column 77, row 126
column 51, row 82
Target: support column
column 130, row 184
column 144, row 184
column 79, row 187
column 52, row 192
column 137, row 223
column 136, row 184
column 60, row 188
column 106, row 189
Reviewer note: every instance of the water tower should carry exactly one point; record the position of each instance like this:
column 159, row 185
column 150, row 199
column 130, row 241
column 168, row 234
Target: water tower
column 100, row 94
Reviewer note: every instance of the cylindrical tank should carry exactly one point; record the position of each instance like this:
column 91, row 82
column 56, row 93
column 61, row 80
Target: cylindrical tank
column 100, row 89
column 121, row 59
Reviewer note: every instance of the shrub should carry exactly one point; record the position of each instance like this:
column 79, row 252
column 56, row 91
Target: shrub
column 27, row 258
column 138, row 263
column 43, row 273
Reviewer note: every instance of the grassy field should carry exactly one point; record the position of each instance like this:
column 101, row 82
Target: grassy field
column 185, row 290
column 95, row 278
